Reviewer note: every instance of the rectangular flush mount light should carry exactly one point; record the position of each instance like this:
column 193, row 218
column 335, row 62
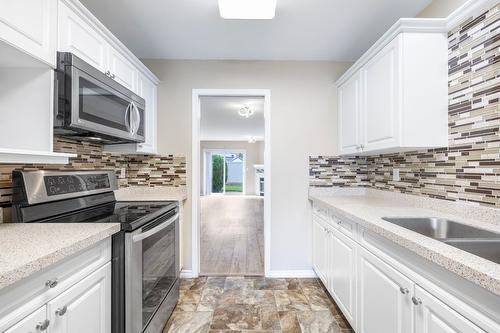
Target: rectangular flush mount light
column 247, row 9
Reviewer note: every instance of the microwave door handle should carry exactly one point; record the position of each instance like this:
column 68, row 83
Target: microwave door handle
column 132, row 118
column 137, row 123
column 127, row 117
column 158, row 228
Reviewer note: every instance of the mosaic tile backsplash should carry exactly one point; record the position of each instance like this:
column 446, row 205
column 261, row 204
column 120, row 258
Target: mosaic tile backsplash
column 141, row 170
column 469, row 169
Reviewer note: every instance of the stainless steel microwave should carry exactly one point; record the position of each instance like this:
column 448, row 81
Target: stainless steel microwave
column 91, row 106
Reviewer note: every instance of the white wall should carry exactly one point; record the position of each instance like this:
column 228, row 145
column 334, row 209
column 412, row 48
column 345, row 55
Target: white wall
column 254, row 155
column 440, row 8
column 303, row 123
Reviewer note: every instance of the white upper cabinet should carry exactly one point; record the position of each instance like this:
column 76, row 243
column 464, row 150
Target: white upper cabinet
column 122, row 70
column 83, row 35
column 30, row 26
column 76, row 35
column 381, row 99
column 349, row 115
column 396, row 92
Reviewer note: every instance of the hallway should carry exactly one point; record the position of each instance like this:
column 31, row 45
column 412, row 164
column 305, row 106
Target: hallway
column 232, row 235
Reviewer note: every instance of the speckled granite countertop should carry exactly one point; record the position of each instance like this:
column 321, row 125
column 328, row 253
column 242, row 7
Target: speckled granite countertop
column 144, row 193
column 367, row 207
column 26, row 248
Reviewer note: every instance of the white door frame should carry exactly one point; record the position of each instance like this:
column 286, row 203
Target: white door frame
column 195, row 169
column 222, row 151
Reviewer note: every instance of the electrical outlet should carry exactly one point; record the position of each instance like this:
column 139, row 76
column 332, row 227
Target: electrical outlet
column 123, row 173
column 395, row 175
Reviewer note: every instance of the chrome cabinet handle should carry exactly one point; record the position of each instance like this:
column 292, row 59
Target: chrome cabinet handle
column 108, row 73
column 404, row 290
column 416, row 300
column 112, row 76
column 62, row 311
column 51, row 283
column 362, row 146
column 43, row 325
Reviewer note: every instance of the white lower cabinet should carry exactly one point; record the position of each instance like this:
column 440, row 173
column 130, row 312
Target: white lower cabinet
column 85, row 307
column 433, row 316
column 342, row 282
column 35, row 322
column 384, row 300
column 319, row 249
column 375, row 296
column 69, row 297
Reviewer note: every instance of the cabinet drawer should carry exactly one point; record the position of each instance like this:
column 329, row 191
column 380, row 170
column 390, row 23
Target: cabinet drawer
column 19, row 300
column 345, row 226
column 321, row 211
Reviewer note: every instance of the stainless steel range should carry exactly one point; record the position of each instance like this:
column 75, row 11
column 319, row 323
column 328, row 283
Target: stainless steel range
column 145, row 258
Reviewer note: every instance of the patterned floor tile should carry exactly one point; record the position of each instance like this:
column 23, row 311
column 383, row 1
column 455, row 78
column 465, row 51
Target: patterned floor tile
column 291, row 300
column 189, row 322
column 239, row 304
column 317, row 322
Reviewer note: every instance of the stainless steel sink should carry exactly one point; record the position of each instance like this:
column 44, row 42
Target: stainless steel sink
column 484, row 248
column 441, row 229
column 483, row 243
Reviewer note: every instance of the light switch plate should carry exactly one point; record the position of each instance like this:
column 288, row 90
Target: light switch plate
column 395, row 175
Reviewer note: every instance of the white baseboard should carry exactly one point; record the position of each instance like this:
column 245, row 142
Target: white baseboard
column 187, row 274
column 292, row 274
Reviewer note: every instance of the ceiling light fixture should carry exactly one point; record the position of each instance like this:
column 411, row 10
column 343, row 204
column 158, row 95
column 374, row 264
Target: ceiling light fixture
column 247, row 9
column 246, row 111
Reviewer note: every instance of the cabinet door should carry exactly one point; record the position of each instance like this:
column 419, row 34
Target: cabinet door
column 85, row 307
column 381, row 98
column 433, row 316
column 122, row 70
column 319, row 249
column 147, row 90
column 343, row 274
column 384, row 301
column 34, row 323
column 77, row 36
column 30, row 25
column 349, row 113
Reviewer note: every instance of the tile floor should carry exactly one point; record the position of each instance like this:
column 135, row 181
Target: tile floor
column 255, row 305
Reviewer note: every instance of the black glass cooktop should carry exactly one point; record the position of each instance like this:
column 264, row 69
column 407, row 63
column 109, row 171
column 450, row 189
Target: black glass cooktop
column 130, row 214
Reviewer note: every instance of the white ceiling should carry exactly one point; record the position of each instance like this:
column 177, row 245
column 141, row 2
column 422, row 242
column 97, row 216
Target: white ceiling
column 220, row 119
column 302, row 29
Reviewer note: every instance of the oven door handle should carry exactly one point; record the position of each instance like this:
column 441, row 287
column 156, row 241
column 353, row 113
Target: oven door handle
column 158, row 228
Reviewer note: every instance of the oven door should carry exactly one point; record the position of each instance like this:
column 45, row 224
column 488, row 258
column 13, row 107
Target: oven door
column 100, row 108
column 151, row 273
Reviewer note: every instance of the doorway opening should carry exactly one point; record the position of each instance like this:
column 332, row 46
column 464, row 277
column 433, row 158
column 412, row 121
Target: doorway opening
column 231, row 199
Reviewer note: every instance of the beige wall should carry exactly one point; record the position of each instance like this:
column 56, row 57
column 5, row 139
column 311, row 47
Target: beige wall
column 303, row 123
column 440, row 8
column 254, row 155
